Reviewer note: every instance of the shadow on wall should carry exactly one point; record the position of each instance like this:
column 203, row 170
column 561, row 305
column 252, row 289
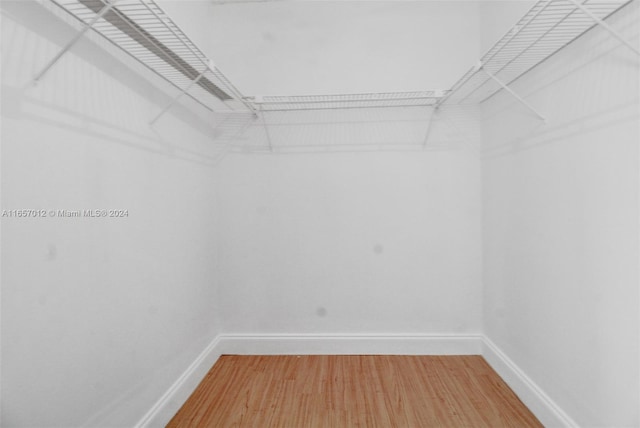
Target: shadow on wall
column 538, row 134
column 97, row 90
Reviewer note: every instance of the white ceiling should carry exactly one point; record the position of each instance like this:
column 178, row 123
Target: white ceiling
column 330, row 47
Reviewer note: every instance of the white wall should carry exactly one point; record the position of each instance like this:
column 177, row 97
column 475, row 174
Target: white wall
column 497, row 17
column 333, row 47
column 99, row 316
column 561, row 227
column 367, row 243
column 347, row 243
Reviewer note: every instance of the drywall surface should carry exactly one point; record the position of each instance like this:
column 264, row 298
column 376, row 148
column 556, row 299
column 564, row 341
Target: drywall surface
column 497, row 17
column 364, row 243
column 100, row 315
column 561, row 227
column 329, row 47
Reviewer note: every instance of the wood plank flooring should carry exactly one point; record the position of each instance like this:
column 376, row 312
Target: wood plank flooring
column 353, row 391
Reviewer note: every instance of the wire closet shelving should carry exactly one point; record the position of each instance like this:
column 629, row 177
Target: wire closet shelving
column 546, row 28
column 144, row 31
column 346, row 101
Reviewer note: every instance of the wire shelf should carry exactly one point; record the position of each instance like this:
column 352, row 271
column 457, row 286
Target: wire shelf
column 346, row 101
column 545, row 29
column 144, row 31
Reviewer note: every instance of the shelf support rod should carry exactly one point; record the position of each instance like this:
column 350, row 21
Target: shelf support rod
column 504, row 86
column 181, row 94
column 246, row 103
column 604, row 25
column 429, row 126
column 266, row 129
column 190, row 45
column 87, row 26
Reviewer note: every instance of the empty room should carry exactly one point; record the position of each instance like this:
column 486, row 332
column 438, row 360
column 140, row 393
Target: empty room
column 320, row 213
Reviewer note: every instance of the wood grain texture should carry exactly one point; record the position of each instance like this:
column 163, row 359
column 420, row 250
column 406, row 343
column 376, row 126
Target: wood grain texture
column 353, row 391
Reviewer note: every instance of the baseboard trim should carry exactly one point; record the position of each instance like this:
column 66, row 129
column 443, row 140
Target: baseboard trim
column 302, row 344
column 347, row 344
column 545, row 409
column 171, row 401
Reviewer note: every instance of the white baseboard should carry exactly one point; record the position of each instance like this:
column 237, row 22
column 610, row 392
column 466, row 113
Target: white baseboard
column 343, row 344
column 171, row 401
column 268, row 344
column 545, row 409
column 549, row 413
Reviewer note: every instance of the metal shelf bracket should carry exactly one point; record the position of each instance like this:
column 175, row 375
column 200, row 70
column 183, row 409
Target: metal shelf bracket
column 87, row 26
column 183, row 92
column 264, row 124
column 604, row 25
column 429, row 126
column 480, row 67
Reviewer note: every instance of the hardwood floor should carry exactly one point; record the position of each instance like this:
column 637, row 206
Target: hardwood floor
column 353, row 391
